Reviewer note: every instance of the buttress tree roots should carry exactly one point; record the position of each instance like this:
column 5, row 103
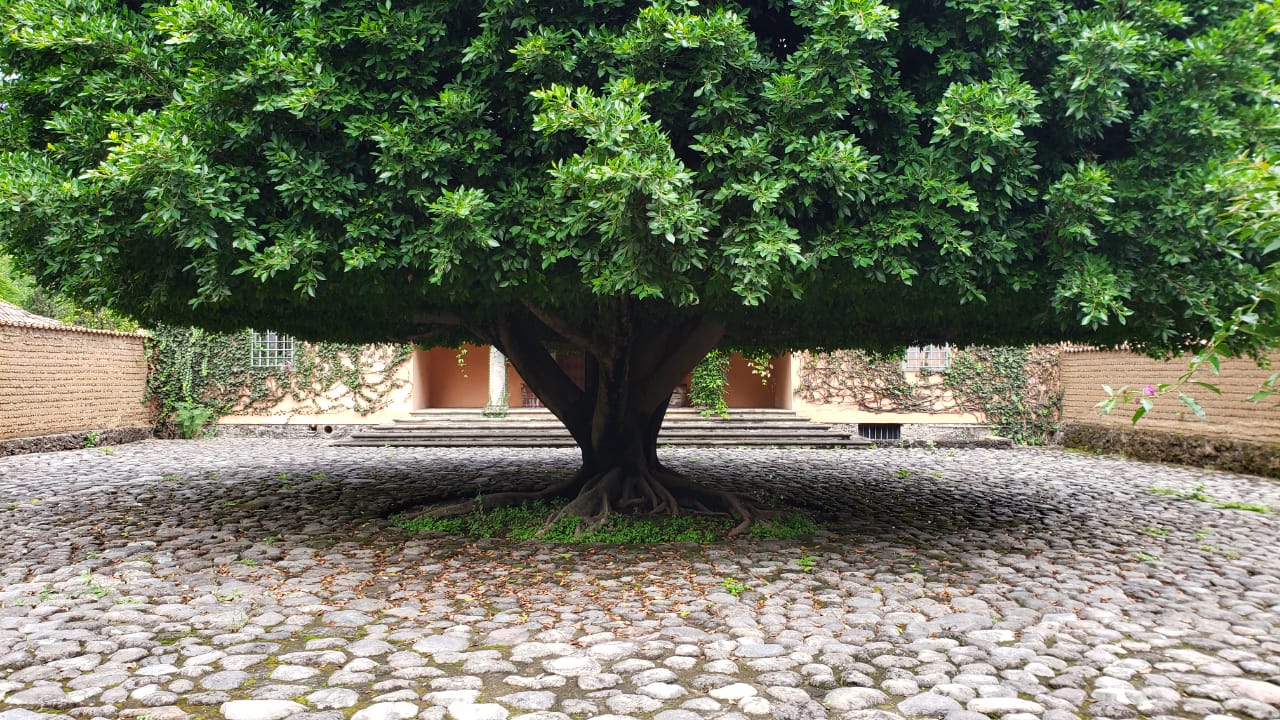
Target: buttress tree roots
column 614, row 416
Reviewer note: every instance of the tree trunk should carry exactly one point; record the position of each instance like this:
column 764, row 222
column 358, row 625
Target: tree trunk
column 615, row 419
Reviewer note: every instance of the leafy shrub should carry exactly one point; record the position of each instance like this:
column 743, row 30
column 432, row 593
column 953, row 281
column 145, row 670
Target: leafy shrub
column 191, row 418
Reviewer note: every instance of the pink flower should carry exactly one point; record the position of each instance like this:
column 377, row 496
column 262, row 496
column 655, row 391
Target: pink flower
column 1150, row 390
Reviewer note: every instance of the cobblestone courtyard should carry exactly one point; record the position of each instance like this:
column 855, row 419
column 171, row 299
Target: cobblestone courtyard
column 259, row 580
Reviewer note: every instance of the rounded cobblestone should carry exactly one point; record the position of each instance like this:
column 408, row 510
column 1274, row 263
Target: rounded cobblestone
column 260, row 580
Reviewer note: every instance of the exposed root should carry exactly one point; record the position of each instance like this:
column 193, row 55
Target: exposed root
column 459, row 508
column 714, row 501
column 651, row 492
column 747, row 518
column 596, row 498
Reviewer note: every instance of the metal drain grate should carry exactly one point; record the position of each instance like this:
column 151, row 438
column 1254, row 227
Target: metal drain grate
column 880, row 431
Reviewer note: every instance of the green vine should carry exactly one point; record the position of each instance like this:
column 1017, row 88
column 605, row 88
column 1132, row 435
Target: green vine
column 1014, row 388
column 997, row 381
column 760, row 364
column 460, row 357
column 190, row 368
column 709, row 382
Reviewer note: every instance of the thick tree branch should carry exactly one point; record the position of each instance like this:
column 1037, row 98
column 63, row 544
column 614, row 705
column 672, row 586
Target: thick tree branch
column 692, row 345
column 449, row 319
column 564, row 329
column 423, row 338
column 544, row 375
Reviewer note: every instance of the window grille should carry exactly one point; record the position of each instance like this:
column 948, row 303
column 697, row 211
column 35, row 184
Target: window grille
column 929, row 357
column 270, row 349
column 880, row 431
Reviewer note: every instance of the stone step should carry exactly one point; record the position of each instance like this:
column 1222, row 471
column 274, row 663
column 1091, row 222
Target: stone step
column 537, row 427
column 522, row 414
column 832, row 441
column 561, row 432
column 532, row 425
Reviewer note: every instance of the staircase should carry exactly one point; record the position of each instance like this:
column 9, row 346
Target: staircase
column 537, row 427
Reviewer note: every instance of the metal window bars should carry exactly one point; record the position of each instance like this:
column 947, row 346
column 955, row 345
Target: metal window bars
column 929, row 357
column 269, row 349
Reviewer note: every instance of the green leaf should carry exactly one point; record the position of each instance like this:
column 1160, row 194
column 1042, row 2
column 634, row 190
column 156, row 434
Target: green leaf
column 1191, row 403
column 1211, row 388
column 1214, row 363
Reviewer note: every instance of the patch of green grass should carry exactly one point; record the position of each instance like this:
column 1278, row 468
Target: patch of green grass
column 1225, row 551
column 1234, row 505
column 785, row 527
column 1197, row 492
column 166, row 639
column 734, row 586
column 1156, row 531
column 523, row 522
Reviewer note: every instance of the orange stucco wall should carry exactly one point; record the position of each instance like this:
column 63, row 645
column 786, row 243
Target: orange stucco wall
column 435, row 379
column 748, row 390
column 451, row 384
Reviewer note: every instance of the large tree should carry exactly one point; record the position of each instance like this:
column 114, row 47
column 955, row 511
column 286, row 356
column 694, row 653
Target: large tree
column 639, row 180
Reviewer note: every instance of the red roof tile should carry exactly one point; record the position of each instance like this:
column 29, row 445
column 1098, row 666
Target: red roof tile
column 11, row 314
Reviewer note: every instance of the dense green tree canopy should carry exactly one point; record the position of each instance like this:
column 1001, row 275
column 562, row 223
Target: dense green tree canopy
column 642, row 179
column 813, row 172
column 14, row 287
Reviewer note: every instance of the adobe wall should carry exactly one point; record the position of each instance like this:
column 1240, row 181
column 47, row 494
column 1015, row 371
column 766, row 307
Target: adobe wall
column 67, row 380
column 1228, row 415
column 1236, row 435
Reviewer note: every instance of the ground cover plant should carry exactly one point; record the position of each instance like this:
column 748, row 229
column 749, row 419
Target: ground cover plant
column 1199, row 494
column 530, row 520
column 643, row 181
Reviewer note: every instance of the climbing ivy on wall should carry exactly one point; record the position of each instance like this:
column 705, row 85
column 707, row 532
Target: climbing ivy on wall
column 1001, row 384
column 709, row 382
column 189, row 367
column 1015, row 388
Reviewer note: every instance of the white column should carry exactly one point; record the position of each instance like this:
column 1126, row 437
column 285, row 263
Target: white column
column 497, row 406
